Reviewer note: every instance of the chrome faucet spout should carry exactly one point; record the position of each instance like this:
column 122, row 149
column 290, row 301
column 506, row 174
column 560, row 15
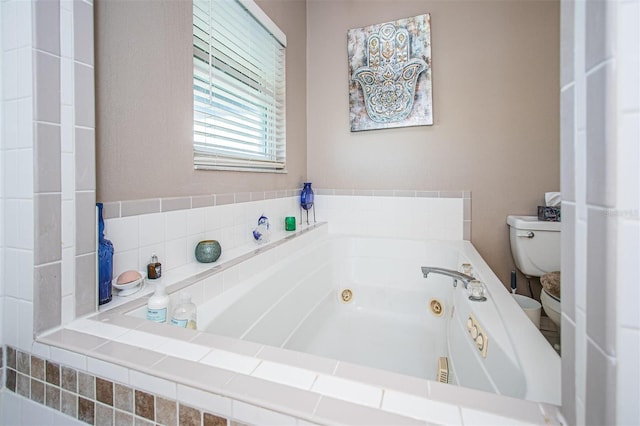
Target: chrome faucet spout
column 450, row 273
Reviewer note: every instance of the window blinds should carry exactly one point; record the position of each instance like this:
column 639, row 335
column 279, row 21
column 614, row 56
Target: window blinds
column 238, row 87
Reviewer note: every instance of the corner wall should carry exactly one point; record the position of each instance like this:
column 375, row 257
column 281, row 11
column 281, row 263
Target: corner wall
column 600, row 114
column 496, row 125
column 49, row 172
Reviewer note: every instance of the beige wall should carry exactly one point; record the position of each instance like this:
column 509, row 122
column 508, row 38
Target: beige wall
column 144, row 118
column 496, row 113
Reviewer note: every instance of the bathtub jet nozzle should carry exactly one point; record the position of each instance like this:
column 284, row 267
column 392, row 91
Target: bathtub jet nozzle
column 450, row 273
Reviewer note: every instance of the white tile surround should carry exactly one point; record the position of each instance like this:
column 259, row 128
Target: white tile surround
column 254, row 383
column 173, row 234
column 600, row 121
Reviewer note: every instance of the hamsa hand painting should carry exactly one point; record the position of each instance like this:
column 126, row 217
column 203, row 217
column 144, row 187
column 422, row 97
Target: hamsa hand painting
column 390, row 74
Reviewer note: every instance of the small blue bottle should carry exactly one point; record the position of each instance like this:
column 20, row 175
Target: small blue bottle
column 105, row 262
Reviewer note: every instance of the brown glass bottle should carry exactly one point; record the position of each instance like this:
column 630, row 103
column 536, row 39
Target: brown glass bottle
column 154, row 269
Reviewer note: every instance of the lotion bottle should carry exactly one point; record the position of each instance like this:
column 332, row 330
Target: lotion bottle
column 158, row 304
column 185, row 313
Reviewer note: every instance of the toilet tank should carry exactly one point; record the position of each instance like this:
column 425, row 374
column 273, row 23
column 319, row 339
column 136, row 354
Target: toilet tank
column 535, row 245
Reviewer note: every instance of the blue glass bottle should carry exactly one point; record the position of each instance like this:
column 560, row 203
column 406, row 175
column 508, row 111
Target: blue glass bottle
column 306, row 196
column 105, row 262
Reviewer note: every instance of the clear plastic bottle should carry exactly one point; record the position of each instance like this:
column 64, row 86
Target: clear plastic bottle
column 158, row 304
column 185, row 313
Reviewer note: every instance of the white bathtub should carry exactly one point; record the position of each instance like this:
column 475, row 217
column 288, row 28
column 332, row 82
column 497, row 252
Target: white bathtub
column 295, row 303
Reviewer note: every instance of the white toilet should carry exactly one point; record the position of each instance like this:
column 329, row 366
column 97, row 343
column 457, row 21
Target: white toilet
column 535, row 246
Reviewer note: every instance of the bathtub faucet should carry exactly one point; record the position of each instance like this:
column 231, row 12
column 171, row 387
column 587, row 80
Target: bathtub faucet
column 450, row 273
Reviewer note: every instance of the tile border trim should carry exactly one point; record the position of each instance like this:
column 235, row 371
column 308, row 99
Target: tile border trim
column 125, row 208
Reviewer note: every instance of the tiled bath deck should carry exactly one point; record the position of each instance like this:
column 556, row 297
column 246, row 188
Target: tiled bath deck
column 228, row 378
column 191, row 377
column 220, row 379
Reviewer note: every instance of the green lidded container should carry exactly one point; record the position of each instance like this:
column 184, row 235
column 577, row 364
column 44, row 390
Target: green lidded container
column 208, row 251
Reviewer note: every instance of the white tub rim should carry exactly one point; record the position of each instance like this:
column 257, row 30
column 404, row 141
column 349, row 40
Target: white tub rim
column 97, row 326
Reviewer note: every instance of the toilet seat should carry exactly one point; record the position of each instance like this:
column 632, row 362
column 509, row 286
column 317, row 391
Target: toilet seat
column 556, row 298
column 551, row 306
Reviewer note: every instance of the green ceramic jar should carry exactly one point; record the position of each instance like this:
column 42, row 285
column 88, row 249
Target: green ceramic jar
column 208, row 251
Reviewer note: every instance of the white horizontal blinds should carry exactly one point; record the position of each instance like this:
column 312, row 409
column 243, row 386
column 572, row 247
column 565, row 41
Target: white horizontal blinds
column 238, row 89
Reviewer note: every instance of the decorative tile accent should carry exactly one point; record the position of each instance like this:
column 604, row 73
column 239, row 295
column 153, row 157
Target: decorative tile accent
column 69, row 403
column 104, row 391
column 123, row 419
column 69, row 379
column 47, row 158
column 104, row 415
column 23, row 363
column 86, row 385
column 86, row 410
column 53, row 373
column 166, row 411
column 139, row 207
column 52, row 397
column 144, row 405
column 111, row 210
column 222, row 199
column 203, row 201
column 242, row 197
column 257, row 196
column 172, row 204
column 123, row 398
column 46, row 87
column 11, row 380
column 23, row 386
column 212, row 420
column 47, row 287
column 11, row 358
column 85, row 295
column 37, row 367
column 113, row 402
column 37, row 391
column 188, row 416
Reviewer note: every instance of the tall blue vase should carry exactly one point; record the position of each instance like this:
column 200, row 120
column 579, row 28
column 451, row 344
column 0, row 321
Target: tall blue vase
column 306, row 196
column 105, row 262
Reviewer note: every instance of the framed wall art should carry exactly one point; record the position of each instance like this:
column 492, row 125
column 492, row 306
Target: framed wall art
column 390, row 74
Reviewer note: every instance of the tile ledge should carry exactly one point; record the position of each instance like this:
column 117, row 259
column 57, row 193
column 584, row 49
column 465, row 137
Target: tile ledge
column 57, row 339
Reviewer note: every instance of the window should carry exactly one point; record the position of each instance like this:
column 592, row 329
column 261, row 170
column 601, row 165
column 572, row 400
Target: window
column 238, row 87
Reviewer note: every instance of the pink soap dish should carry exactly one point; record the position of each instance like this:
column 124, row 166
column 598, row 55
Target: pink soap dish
column 129, row 282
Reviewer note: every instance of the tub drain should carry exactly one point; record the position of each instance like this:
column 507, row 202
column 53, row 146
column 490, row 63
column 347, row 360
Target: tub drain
column 346, row 295
column 436, row 307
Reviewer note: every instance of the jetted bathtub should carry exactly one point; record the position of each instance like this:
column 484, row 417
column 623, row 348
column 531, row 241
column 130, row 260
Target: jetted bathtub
column 365, row 301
